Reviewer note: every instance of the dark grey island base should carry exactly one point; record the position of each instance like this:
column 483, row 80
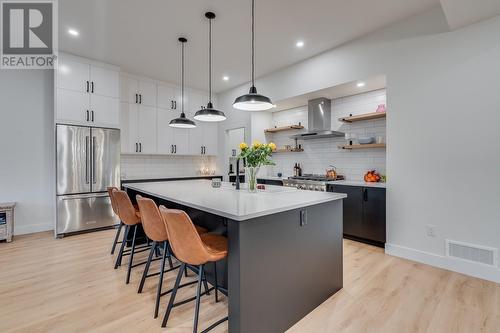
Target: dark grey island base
column 280, row 266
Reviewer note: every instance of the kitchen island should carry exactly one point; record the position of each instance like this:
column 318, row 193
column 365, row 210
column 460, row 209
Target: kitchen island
column 285, row 246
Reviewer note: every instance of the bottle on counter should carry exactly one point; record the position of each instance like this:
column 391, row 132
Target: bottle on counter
column 296, row 170
column 299, row 170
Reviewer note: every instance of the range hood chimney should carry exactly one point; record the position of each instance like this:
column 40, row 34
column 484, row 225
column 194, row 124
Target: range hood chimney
column 319, row 115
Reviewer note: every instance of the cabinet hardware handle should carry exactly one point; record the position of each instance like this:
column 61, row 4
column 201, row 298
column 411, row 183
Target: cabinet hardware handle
column 87, row 86
column 175, row 149
column 202, row 150
column 136, row 148
column 92, row 113
column 140, row 147
column 365, row 194
column 92, row 86
column 88, row 115
column 171, row 105
column 140, row 98
column 171, row 149
column 136, row 98
column 175, row 105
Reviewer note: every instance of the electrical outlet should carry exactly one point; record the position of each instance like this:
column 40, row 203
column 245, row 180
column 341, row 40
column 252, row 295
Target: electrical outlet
column 431, row 230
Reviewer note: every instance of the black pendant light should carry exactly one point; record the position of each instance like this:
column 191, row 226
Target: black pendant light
column 182, row 121
column 209, row 114
column 253, row 101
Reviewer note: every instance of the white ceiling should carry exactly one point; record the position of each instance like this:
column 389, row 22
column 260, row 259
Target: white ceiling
column 460, row 13
column 342, row 90
column 141, row 36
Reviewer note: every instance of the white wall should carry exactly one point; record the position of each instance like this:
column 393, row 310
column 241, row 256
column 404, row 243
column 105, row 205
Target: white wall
column 26, row 147
column 319, row 154
column 442, row 134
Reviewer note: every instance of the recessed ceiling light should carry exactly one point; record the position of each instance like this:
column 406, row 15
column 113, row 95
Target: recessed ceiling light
column 360, row 84
column 225, row 78
column 73, row 32
column 299, row 43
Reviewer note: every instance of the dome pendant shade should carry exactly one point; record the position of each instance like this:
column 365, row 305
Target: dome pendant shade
column 253, row 102
column 209, row 114
column 182, row 122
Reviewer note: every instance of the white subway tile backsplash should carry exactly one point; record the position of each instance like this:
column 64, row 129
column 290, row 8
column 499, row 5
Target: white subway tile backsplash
column 162, row 166
column 319, row 154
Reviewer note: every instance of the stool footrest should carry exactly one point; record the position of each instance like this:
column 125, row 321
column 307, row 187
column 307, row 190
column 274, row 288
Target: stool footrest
column 191, row 298
column 218, row 322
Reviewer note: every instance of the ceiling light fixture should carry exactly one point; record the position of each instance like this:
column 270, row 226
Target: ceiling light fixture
column 225, row 78
column 209, row 113
column 182, row 121
column 360, row 84
column 253, row 101
column 73, row 32
column 299, row 44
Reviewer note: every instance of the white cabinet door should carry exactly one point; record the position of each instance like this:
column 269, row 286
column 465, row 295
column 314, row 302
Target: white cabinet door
column 73, row 107
column 196, row 140
column 146, row 129
column 181, row 141
column 147, row 93
column 104, row 82
column 128, row 128
column 106, row 111
column 165, row 135
column 210, row 133
column 73, row 75
column 168, row 97
column 129, row 89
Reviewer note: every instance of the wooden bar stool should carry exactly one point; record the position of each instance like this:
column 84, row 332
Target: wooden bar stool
column 154, row 228
column 131, row 219
column 190, row 248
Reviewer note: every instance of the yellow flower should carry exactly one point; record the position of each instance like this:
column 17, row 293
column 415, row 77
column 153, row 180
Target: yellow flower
column 272, row 146
column 243, row 146
column 257, row 144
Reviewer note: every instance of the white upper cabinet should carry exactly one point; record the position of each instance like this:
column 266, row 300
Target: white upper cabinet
column 138, row 129
column 72, row 106
column 168, row 97
column 73, row 75
column 104, row 82
column 137, row 91
column 87, row 92
column 147, row 93
column 171, row 141
column 210, row 139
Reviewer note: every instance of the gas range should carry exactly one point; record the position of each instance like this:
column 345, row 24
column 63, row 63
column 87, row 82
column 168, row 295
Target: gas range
column 309, row 182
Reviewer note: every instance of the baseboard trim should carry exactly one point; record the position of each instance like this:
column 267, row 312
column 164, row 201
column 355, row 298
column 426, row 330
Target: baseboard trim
column 32, row 228
column 468, row 268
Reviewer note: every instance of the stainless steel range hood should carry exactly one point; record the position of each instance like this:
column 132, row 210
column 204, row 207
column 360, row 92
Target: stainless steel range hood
column 319, row 117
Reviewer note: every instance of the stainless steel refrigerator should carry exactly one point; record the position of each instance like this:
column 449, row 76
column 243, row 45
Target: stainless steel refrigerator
column 87, row 162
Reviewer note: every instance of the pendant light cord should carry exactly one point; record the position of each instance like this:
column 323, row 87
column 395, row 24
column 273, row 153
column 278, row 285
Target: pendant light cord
column 182, row 78
column 253, row 43
column 210, row 60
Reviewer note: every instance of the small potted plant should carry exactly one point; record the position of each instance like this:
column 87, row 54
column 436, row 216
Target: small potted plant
column 255, row 156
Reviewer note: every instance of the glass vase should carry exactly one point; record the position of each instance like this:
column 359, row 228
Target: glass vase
column 251, row 178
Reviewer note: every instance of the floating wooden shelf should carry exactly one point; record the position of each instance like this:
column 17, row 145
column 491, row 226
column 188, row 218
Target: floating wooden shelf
column 295, row 150
column 368, row 146
column 361, row 117
column 283, row 128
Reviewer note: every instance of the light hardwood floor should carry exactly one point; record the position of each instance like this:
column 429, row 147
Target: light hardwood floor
column 69, row 285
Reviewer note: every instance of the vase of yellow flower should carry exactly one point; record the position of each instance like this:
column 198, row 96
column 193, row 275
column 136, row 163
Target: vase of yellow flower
column 255, row 156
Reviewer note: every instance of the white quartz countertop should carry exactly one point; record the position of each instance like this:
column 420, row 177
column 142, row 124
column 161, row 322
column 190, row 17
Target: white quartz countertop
column 230, row 203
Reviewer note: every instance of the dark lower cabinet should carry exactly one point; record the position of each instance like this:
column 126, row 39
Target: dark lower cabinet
column 269, row 182
column 364, row 213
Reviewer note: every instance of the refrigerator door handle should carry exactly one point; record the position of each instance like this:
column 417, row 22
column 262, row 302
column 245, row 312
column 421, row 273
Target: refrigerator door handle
column 87, row 159
column 93, row 160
